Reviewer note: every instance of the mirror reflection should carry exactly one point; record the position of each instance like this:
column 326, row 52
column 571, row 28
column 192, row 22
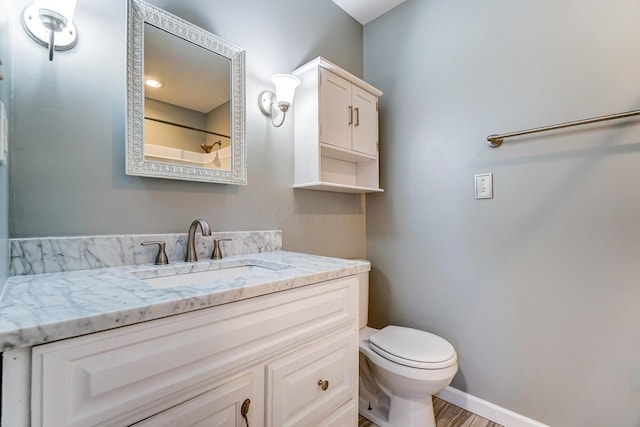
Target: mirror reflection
column 185, row 100
column 186, row 103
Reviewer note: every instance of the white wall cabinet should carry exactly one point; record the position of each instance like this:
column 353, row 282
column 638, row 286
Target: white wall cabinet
column 336, row 130
column 348, row 115
column 197, row 369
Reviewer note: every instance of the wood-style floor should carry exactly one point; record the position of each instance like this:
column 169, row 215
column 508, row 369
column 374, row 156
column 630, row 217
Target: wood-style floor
column 447, row 415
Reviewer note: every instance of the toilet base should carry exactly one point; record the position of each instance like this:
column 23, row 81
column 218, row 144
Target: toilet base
column 398, row 412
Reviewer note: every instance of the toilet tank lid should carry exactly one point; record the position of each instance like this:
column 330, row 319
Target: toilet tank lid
column 413, row 344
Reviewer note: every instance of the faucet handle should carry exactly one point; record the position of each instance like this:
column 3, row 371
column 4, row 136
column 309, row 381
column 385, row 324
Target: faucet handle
column 217, row 252
column 161, row 258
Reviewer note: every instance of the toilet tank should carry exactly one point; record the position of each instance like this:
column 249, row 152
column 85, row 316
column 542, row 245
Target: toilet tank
column 363, row 302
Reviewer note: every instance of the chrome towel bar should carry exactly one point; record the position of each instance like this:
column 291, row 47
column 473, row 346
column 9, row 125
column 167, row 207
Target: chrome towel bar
column 496, row 140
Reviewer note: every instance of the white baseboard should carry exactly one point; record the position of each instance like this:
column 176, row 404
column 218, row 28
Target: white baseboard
column 486, row 409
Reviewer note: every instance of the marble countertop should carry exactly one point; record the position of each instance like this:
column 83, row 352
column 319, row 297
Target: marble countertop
column 39, row 308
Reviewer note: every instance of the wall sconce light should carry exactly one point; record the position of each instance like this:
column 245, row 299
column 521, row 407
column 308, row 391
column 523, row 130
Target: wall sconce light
column 50, row 23
column 286, row 85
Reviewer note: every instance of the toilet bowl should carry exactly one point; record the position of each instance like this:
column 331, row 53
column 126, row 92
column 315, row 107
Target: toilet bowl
column 400, row 370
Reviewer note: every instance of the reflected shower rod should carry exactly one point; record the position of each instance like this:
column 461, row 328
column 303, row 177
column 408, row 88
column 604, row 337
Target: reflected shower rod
column 153, row 119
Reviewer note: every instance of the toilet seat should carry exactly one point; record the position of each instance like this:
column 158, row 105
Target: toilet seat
column 413, row 347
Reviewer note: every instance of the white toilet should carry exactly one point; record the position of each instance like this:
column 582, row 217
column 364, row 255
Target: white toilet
column 400, row 369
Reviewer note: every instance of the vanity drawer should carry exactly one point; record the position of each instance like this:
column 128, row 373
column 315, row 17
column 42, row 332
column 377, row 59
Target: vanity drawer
column 122, row 376
column 221, row 406
column 309, row 384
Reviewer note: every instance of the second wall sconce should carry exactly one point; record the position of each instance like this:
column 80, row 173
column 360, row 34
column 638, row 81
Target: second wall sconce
column 50, row 23
column 272, row 104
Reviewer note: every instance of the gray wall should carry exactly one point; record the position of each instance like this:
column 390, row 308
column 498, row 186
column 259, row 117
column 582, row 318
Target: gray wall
column 219, row 121
column 172, row 136
column 69, row 115
column 5, row 95
column 538, row 288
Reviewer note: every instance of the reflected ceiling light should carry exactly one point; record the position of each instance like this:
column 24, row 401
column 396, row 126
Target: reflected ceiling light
column 50, row 23
column 286, row 85
column 153, row 83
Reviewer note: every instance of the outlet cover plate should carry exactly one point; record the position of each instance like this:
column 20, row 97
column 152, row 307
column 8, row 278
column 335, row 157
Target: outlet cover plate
column 484, row 185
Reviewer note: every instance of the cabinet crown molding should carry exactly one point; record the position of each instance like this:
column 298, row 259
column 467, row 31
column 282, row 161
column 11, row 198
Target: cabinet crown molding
column 335, row 69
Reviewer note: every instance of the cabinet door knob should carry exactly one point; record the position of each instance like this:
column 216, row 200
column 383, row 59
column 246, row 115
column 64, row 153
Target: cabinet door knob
column 350, row 114
column 324, row 384
column 357, row 116
column 244, row 410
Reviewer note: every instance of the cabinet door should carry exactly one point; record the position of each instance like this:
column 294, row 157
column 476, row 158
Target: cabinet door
column 335, row 110
column 219, row 407
column 365, row 122
column 308, row 385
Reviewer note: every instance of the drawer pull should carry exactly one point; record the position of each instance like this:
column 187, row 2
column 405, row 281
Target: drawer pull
column 324, row 384
column 244, row 410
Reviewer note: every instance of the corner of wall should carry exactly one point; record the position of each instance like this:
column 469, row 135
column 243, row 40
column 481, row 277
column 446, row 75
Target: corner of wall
column 6, row 38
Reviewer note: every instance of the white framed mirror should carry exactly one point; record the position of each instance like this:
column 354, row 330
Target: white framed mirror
column 185, row 100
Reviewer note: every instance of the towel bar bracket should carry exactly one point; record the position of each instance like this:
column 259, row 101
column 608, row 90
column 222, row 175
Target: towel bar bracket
column 494, row 141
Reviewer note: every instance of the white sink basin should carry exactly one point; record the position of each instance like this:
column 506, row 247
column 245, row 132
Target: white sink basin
column 204, row 278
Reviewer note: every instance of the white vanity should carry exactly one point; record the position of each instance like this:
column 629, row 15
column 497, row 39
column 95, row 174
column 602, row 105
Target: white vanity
column 274, row 347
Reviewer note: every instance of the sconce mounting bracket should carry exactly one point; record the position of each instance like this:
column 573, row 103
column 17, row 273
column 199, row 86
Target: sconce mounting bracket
column 266, row 100
column 65, row 39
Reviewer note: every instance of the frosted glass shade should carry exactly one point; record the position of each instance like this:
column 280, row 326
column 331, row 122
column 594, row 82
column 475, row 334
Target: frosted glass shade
column 286, row 85
column 65, row 8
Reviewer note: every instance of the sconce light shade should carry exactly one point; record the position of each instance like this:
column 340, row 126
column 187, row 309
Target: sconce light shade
column 50, row 23
column 286, row 85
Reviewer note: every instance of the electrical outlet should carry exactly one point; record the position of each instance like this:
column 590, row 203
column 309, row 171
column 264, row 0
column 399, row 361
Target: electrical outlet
column 484, row 186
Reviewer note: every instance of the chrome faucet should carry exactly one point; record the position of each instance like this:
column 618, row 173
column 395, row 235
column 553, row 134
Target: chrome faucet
column 191, row 238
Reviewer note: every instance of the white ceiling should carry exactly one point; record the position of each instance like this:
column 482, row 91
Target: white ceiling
column 193, row 77
column 367, row 10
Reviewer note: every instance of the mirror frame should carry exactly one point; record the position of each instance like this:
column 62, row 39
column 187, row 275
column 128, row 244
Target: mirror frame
column 139, row 13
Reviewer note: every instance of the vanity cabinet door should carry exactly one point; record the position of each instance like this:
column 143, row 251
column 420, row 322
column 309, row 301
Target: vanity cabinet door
column 306, row 386
column 226, row 405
